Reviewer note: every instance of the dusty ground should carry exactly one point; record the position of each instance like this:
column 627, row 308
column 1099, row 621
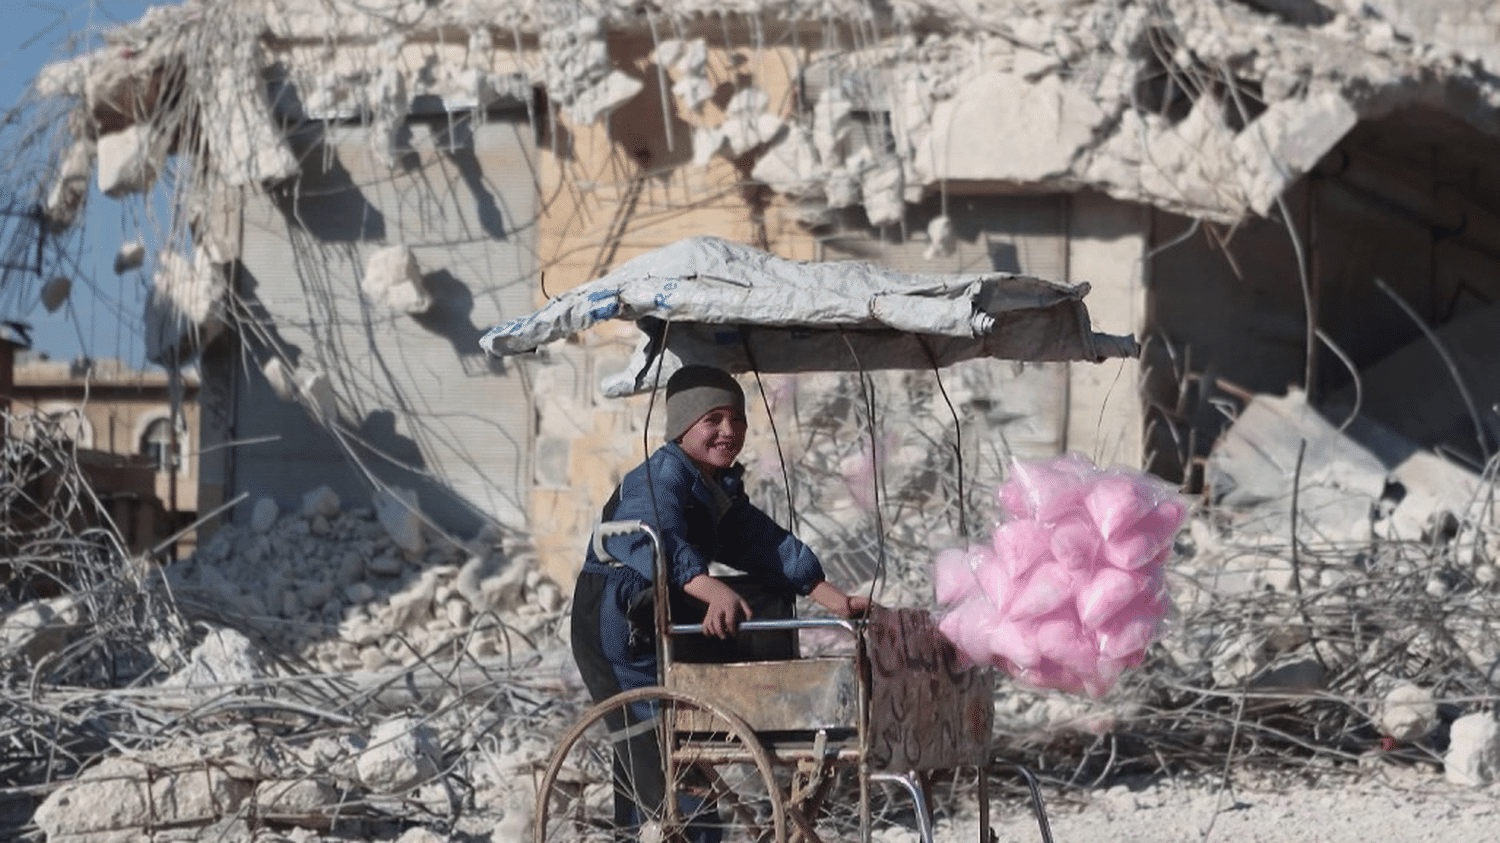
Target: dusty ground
column 1402, row 806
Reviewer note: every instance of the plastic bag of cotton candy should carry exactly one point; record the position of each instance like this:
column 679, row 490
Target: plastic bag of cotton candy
column 1070, row 590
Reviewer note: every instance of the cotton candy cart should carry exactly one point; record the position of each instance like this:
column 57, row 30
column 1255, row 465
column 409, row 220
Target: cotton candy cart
column 755, row 750
column 756, row 747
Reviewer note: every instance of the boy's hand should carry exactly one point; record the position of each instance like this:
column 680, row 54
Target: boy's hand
column 858, row 605
column 725, row 606
column 846, row 606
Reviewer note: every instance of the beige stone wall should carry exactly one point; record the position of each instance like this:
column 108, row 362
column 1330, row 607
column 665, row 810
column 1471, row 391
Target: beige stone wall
column 1106, row 248
column 616, row 189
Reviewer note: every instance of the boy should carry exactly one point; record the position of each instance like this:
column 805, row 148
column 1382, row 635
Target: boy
column 690, row 490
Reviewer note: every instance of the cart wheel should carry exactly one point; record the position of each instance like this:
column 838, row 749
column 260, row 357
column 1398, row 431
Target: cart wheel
column 607, row 780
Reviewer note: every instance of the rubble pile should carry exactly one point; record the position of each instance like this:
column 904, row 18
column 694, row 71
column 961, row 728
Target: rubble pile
column 337, row 673
column 347, row 590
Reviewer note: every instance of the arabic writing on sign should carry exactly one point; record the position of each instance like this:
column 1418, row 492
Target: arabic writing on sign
column 927, row 711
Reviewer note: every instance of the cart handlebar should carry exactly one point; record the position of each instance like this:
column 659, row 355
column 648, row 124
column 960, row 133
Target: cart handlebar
column 851, row 626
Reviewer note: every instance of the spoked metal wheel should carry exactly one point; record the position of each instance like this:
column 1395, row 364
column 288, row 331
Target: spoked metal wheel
column 659, row 766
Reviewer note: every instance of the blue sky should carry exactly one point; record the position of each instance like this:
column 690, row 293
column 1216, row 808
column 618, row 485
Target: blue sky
column 95, row 324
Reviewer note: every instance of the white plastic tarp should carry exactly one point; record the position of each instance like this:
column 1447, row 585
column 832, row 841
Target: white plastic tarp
column 708, row 300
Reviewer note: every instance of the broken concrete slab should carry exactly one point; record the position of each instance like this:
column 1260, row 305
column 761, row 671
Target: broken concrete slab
column 41, row 627
column 1473, row 756
column 184, row 310
column 402, row 754
column 127, row 793
column 1256, row 461
column 128, row 160
column 1060, row 121
column 1364, row 482
column 1413, row 392
column 393, row 280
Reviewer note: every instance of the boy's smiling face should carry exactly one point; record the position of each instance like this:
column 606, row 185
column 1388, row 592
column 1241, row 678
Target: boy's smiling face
column 715, row 440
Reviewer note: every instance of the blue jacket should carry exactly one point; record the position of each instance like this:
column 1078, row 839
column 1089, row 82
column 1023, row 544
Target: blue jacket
column 683, row 511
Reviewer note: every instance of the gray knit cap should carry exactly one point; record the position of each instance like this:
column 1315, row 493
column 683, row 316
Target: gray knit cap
column 694, row 390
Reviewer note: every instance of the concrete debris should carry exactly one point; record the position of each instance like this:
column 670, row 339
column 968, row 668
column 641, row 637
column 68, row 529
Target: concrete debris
column 249, row 148
column 1346, row 480
column 173, row 786
column 41, row 627
column 334, row 585
column 882, row 187
column 315, row 393
column 321, row 502
column 1473, row 756
column 263, row 515
column 689, row 59
column 941, row 241
column 402, row 754
column 1408, row 712
column 393, row 280
column 225, row 658
column 786, row 164
column 401, row 515
column 184, row 310
column 1081, row 77
column 55, row 293
column 129, row 160
column 130, row 256
column 281, row 380
column 304, row 803
column 747, row 125
column 577, row 71
column 308, row 386
column 71, row 188
column 387, row 100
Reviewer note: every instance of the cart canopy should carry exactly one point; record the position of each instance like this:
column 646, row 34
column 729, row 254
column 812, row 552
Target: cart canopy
column 708, row 300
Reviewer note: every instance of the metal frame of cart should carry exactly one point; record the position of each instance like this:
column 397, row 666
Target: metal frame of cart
column 896, row 707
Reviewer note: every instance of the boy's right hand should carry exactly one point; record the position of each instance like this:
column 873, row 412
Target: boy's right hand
column 725, row 607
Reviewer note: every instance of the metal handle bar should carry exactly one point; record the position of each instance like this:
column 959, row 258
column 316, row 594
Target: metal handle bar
column 850, row 626
column 609, row 529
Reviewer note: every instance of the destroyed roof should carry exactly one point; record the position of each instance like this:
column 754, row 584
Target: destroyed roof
column 709, row 300
column 1209, row 108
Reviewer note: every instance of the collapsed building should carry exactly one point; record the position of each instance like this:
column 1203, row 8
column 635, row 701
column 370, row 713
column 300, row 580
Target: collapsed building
column 1266, row 193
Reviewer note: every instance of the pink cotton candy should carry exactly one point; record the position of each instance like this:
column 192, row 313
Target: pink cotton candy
column 1069, row 591
column 1132, row 629
column 968, row 626
column 1062, row 641
column 1103, row 677
column 1046, row 490
column 1016, row 642
column 996, row 584
column 1051, row 675
column 1144, row 541
column 1021, row 544
column 1075, row 542
column 1015, row 501
column 952, row 578
column 1115, row 502
column 1110, row 590
column 1048, row 586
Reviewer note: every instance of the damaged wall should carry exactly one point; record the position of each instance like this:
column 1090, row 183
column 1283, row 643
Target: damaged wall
column 351, row 387
column 1397, row 232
